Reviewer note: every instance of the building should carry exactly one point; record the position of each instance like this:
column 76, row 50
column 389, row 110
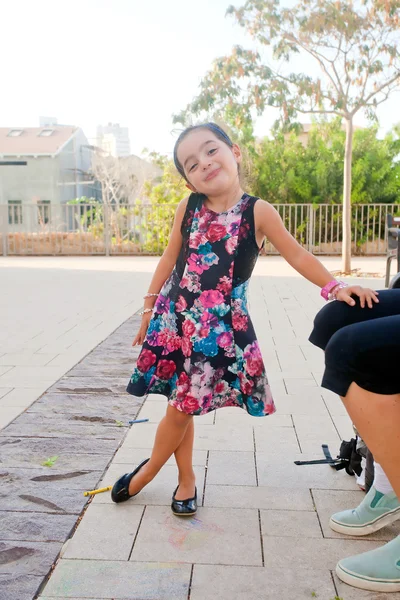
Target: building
column 43, row 166
column 114, row 139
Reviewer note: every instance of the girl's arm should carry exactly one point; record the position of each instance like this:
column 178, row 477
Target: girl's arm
column 269, row 223
column 170, row 255
column 163, row 270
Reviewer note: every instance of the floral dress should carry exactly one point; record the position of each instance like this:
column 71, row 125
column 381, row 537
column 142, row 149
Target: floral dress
column 200, row 349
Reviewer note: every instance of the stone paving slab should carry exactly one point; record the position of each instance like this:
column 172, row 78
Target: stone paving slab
column 27, row 558
column 21, row 398
column 19, row 587
column 228, row 468
column 79, row 429
column 119, row 580
column 68, row 429
column 267, row 497
column 255, row 583
column 293, row 524
column 87, row 408
column 320, row 553
column 36, row 526
column 91, row 385
column 113, row 541
column 214, row 536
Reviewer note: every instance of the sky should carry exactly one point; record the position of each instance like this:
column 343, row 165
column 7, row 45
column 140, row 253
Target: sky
column 133, row 62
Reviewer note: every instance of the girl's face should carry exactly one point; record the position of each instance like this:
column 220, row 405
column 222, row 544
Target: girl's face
column 210, row 165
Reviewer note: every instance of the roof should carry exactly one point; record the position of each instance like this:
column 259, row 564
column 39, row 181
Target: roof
column 25, row 141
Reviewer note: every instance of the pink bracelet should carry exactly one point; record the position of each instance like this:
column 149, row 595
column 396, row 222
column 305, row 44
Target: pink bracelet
column 336, row 289
column 326, row 290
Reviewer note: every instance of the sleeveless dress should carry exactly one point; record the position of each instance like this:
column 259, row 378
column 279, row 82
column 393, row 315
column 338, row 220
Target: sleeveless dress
column 201, row 350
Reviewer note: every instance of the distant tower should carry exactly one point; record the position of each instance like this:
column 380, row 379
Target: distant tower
column 114, row 139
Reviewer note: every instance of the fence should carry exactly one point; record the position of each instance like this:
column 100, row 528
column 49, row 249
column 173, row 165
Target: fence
column 96, row 229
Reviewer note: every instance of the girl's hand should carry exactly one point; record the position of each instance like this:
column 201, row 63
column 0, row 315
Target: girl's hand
column 140, row 337
column 365, row 294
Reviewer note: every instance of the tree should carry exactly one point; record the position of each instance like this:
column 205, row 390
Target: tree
column 289, row 171
column 354, row 45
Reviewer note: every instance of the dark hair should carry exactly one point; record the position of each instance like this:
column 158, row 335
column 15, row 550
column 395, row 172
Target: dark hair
column 213, row 127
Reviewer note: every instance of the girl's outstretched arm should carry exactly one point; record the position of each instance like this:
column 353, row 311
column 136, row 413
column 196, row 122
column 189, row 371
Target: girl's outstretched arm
column 269, row 223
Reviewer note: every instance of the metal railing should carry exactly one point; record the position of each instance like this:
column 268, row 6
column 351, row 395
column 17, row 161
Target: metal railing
column 96, row 229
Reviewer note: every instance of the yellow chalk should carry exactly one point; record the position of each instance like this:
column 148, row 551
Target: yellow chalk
column 93, row 492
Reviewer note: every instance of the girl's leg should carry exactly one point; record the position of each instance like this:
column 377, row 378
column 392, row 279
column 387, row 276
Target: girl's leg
column 377, row 418
column 170, row 433
column 184, row 461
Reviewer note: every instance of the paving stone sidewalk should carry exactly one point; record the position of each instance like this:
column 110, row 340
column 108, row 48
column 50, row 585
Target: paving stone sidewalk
column 262, row 527
column 79, row 424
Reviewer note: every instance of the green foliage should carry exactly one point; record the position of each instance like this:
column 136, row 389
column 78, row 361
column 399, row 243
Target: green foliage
column 286, row 171
column 161, row 198
column 50, row 461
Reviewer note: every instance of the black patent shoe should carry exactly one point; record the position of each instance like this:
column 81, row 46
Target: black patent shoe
column 120, row 491
column 184, row 508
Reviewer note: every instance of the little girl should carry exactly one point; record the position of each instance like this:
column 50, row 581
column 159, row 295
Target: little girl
column 199, row 345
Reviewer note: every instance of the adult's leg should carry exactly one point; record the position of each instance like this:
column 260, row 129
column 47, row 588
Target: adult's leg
column 377, row 418
column 361, row 365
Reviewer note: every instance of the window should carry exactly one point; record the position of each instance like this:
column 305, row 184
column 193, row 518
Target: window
column 43, row 211
column 15, row 212
column 14, row 132
column 15, row 163
column 46, row 132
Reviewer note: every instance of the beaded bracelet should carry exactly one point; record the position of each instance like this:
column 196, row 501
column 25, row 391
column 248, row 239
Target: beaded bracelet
column 332, row 295
column 327, row 289
column 146, row 310
column 149, row 295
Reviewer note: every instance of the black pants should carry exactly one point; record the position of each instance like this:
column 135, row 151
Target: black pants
column 361, row 344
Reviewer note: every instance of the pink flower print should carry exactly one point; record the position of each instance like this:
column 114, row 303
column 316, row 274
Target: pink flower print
column 188, row 328
column 181, row 304
column 162, row 304
column 216, row 232
column 239, row 321
column 169, row 340
column 146, row 360
column 152, row 338
column 165, row 369
column 195, row 262
column 224, row 340
column 197, row 239
column 225, row 285
column 234, row 228
column 243, row 231
column 209, row 320
column 204, row 332
column 206, row 402
column 210, row 298
column 231, row 244
column 183, row 385
column 190, row 404
column 253, row 362
column 230, row 352
column 245, row 384
column 187, row 346
column 220, row 387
